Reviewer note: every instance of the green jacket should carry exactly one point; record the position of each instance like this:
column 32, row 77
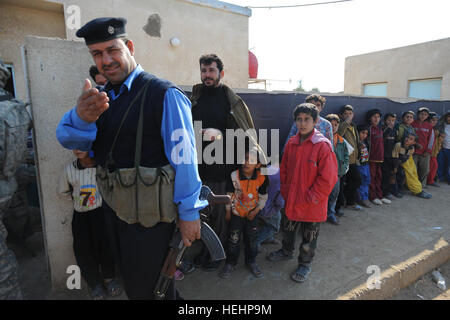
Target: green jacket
column 239, row 116
column 342, row 157
column 345, row 131
column 402, row 129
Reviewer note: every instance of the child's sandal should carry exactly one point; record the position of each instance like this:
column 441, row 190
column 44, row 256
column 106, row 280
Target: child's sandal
column 301, row 274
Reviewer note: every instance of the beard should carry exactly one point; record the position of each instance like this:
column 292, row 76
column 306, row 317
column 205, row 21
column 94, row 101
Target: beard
column 214, row 84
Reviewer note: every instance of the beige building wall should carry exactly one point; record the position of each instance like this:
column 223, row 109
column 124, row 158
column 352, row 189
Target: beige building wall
column 398, row 66
column 16, row 22
column 202, row 26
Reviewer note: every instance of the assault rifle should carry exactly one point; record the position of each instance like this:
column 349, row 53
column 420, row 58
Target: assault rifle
column 177, row 247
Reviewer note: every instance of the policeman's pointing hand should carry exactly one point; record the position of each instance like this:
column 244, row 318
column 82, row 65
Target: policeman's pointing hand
column 91, row 103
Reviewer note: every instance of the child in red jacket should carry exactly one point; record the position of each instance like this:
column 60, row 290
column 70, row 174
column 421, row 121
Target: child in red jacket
column 425, row 134
column 307, row 175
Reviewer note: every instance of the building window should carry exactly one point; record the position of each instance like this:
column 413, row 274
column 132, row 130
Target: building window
column 425, row 89
column 375, row 89
column 11, row 83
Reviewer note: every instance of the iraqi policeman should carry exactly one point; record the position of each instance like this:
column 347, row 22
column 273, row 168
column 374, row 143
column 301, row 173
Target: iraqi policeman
column 139, row 128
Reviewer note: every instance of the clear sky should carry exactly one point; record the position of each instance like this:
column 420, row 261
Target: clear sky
column 311, row 43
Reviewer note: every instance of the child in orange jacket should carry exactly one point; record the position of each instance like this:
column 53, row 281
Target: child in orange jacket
column 249, row 197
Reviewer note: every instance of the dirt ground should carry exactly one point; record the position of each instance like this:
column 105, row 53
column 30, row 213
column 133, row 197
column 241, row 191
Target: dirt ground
column 383, row 236
column 426, row 289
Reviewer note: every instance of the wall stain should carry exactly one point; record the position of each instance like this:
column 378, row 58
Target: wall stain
column 153, row 26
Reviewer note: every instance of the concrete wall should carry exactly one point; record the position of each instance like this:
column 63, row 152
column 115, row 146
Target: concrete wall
column 17, row 22
column 56, row 72
column 398, row 66
column 201, row 26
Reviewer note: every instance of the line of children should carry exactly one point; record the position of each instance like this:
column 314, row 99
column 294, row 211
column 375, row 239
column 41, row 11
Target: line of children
column 373, row 156
column 368, row 159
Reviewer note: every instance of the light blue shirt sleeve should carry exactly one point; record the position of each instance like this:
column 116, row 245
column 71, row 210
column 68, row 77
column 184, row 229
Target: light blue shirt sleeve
column 74, row 133
column 179, row 144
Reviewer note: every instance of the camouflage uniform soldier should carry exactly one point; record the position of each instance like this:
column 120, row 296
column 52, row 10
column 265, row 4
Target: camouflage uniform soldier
column 14, row 123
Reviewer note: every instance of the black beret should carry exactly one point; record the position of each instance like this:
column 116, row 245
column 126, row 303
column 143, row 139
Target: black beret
column 102, row 29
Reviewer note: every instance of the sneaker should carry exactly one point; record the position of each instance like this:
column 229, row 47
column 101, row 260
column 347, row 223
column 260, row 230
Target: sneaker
column 333, row 220
column 254, row 269
column 340, row 213
column 398, row 195
column 278, row 256
column 376, row 201
column 356, row 207
column 424, row 195
column 226, row 271
column 386, row 201
column 389, row 197
column 365, row 203
column 434, row 184
column 178, row 275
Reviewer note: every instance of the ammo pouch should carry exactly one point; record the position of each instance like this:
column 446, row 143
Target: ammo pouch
column 139, row 194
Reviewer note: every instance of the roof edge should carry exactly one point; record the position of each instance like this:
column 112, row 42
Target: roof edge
column 220, row 5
